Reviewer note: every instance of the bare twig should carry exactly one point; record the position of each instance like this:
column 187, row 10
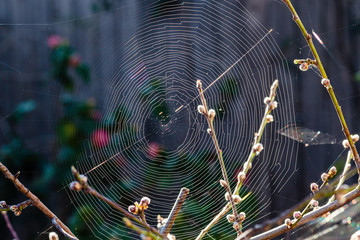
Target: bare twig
column 326, row 191
column 343, row 175
column 325, row 82
column 9, row 226
column 82, row 180
column 35, row 200
column 174, row 212
column 140, row 231
column 309, row 216
column 209, row 115
column 248, row 162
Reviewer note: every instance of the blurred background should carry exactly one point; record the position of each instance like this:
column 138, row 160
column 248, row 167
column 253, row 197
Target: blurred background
column 68, row 73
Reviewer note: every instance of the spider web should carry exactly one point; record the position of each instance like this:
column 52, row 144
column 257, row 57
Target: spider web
column 159, row 143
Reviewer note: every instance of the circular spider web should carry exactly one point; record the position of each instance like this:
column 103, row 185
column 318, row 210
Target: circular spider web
column 158, row 140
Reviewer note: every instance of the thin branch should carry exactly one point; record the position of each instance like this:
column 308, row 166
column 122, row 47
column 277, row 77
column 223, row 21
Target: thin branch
column 308, row 217
column 82, row 180
column 140, row 231
column 35, row 200
column 174, row 212
column 326, row 83
column 211, row 130
column 248, row 162
column 343, row 175
column 9, row 226
column 326, row 191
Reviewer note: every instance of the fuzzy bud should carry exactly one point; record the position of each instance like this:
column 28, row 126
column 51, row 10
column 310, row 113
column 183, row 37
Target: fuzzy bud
column 297, row 214
column 3, row 204
column 257, row 148
column 273, row 105
column 269, row 118
column 236, row 225
column 201, row 109
column 242, row 216
column 17, row 213
column 198, row 84
column 132, row 209
column 14, row 208
column 83, row 178
column 223, row 183
column 304, row 66
column 227, row 196
column 145, row 201
column 355, row 138
column 230, row 218
column 236, row 199
column 267, row 100
column 75, row 186
column 211, row 114
column 314, row 187
column 209, row 131
column 325, row 82
column 288, row 222
column 241, row 176
column 348, row 166
column 324, row 177
column 53, row 236
column 332, row 171
column 345, row 143
column 314, row 203
column 170, row 237
column 247, row 165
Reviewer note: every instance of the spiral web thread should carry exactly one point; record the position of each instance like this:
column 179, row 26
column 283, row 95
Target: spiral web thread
column 159, row 141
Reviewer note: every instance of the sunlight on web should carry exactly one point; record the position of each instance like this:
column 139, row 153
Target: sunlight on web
column 157, row 140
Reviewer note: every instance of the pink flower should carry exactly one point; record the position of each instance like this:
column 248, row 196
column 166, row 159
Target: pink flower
column 54, row 41
column 153, row 149
column 100, row 138
column 74, row 60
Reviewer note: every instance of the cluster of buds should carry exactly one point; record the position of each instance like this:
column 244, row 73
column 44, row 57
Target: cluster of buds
column 139, row 208
column 78, row 186
column 161, row 221
column 16, row 209
column 272, row 104
column 257, row 148
column 326, row 176
column 247, row 165
column 354, row 138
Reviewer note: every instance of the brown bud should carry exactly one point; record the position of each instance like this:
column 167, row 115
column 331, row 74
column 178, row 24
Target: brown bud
column 297, row 214
column 75, row 186
column 314, row 187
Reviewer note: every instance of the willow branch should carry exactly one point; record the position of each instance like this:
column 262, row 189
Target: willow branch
column 174, row 212
column 325, row 82
column 250, row 158
column 308, row 217
column 35, row 200
column 343, row 175
column 89, row 190
column 211, row 131
column 324, row 192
